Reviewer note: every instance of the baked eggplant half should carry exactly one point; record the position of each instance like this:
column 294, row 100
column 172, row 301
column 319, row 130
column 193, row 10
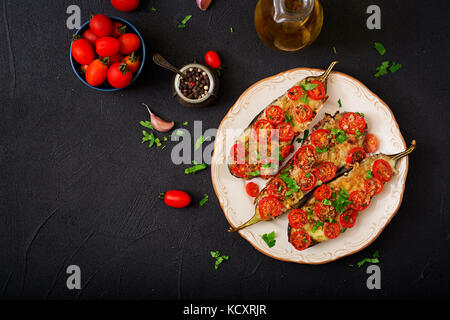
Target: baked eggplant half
column 269, row 137
column 329, row 213
column 334, row 145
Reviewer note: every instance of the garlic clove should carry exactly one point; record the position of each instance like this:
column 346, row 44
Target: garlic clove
column 159, row 124
column 203, row 4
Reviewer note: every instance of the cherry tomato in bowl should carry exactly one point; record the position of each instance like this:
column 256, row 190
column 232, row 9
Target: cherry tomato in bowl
column 105, row 87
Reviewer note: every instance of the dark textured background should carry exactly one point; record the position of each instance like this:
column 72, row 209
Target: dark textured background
column 77, row 186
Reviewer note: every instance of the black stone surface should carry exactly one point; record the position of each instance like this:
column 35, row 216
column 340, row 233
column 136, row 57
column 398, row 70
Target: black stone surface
column 77, row 186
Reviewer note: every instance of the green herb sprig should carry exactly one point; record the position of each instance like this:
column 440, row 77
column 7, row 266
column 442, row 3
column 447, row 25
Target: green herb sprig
column 219, row 258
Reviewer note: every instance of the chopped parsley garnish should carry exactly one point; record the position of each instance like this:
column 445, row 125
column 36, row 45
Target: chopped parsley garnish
column 304, row 99
column 185, row 123
column 153, row 9
column 269, row 238
column 382, row 69
column 317, row 225
column 291, row 183
column 200, row 141
column 289, row 193
column 195, row 168
column 337, row 135
column 326, row 202
column 341, row 201
column 343, row 230
column 204, row 200
column 358, row 133
column 288, row 118
column 360, row 114
column 184, row 21
column 374, row 259
column 231, row 29
column 369, row 175
column 321, row 150
column 219, row 258
column 158, row 142
column 147, row 124
column 334, row 50
column 380, row 48
column 305, row 136
column 148, row 137
column 340, row 103
column 179, row 133
column 395, row 67
column 254, row 173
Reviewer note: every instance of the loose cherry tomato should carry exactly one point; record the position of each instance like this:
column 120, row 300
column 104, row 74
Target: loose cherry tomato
column 133, row 62
column 370, row 143
column 324, row 212
column 107, row 46
column 306, row 180
column 322, row 192
column 331, row 230
column 274, row 114
column 269, row 207
column 119, row 76
column 285, row 131
column 300, row 240
column 96, row 72
column 351, row 122
column 82, row 51
column 177, row 199
column 118, row 29
column 268, row 167
column 212, row 59
column 348, row 218
column 326, row 171
column 373, row 186
column 297, row 218
column 382, row 170
column 101, row 25
column 303, row 113
column 277, row 188
column 263, row 130
column 125, row 5
column 305, row 157
column 318, row 92
column 286, row 151
column 320, row 138
column 360, row 200
column 129, row 42
column 237, row 152
column 295, row 93
column 241, row 169
column 90, row 36
column 252, row 189
column 355, row 155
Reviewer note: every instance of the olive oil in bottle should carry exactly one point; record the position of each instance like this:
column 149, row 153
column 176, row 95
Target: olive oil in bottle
column 288, row 25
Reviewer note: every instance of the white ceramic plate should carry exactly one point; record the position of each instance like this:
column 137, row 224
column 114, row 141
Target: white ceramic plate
column 238, row 206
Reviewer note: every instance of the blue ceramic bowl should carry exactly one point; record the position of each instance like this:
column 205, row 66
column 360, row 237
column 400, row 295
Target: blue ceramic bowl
column 105, row 87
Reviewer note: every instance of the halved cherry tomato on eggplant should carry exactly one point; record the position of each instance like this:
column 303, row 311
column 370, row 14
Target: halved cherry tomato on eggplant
column 212, row 59
column 118, row 29
column 331, row 230
column 370, row 143
column 373, row 186
column 351, row 122
column 286, row 151
column 300, row 240
column 252, row 189
column 177, row 199
column 263, row 130
column 303, row 113
column 297, row 218
column 324, row 212
column 107, row 46
column 237, row 152
column 241, row 169
column 90, row 36
column 119, row 76
column 82, row 51
column 382, row 170
column 133, row 62
column 268, row 167
column 306, row 180
column 360, row 200
column 318, row 92
column 348, row 218
column 277, row 188
column 101, row 25
column 125, row 5
column 323, row 192
column 325, row 171
column 295, row 93
column 320, row 138
column 285, row 131
column 274, row 114
column 269, row 207
column 129, row 42
column 355, row 155
column 96, row 72
column 305, row 157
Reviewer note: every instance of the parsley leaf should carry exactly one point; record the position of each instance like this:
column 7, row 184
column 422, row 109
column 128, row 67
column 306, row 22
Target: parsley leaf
column 380, row 48
column 148, row 137
column 184, row 21
column 309, row 86
column 374, row 259
column 269, row 238
column 317, row 225
column 382, row 69
column 147, row 124
column 185, row 123
column 291, row 183
column 321, row 150
column 219, row 258
column 395, row 67
column 288, row 119
column 326, row 202
column 341, row 201
column 369, row 175
column 204, row 200
column 358, row 133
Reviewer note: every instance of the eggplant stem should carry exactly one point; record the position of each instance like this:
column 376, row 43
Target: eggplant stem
column 325, row 75
column 402, row 154
column 253, row 220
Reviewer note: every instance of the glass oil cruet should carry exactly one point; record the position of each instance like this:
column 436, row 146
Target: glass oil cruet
column 288, row 25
